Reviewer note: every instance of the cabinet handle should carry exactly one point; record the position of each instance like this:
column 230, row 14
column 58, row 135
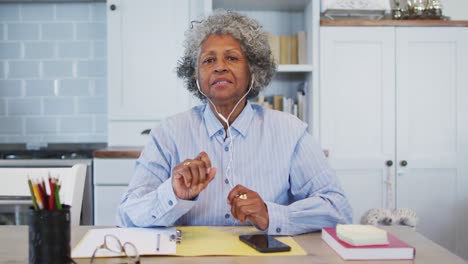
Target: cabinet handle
column 403, row 163
column 112, row 7
column 389, row 163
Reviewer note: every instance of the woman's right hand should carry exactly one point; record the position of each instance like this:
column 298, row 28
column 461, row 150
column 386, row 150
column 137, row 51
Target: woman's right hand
column 191, row 177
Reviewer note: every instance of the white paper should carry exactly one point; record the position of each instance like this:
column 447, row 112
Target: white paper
column 144, row 239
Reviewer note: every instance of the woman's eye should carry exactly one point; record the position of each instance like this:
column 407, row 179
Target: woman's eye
column 232, row 58
column 208, row 60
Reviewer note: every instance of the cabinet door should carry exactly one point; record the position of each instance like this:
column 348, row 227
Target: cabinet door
column 144, row 44
column 357, row 110
column 111, row 177
column 107, row 200
column 432, row 119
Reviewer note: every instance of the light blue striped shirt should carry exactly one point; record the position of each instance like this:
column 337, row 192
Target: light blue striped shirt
column 273, row 155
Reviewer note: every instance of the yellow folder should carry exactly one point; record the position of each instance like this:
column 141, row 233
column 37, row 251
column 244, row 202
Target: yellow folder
column 218, row 241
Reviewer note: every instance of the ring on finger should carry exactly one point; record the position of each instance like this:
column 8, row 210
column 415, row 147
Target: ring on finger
column 243, row 196
column 187, row 163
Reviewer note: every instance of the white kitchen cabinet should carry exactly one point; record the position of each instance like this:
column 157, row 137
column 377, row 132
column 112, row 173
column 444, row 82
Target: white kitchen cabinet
column 111, row 178
column 144, row 44
column 398, row 95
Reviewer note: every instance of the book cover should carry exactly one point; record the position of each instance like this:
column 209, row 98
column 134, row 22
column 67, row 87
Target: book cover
column 293, row 49
column 301, row 48
column 285, row 50
column 274, row 42
column 278, row 102
column 396, row 249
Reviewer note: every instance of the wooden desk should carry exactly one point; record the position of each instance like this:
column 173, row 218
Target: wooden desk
column 14, row 249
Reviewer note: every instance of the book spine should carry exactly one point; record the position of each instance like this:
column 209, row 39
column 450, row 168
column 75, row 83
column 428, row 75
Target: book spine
column 301, row 48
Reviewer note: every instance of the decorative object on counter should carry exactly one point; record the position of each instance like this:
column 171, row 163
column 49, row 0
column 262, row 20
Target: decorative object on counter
column 355, row 9
column 333, row 14
column 355, row 5
column 418, row 9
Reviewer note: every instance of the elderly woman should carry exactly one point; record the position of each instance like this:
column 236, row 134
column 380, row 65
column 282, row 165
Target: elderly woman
column 230, row 162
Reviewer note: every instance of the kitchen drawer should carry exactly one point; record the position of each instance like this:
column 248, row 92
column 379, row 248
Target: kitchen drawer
column 106, row 202
column 113, row 171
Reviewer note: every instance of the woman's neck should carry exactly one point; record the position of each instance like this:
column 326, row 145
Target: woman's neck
column 226, row 110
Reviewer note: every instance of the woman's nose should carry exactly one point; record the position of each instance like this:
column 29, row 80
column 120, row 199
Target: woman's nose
column 220, row 66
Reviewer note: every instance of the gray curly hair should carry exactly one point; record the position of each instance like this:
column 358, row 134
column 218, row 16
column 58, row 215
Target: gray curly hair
column 253, row 40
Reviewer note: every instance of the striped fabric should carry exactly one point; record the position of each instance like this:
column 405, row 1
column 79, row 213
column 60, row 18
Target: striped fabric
column 272, row 154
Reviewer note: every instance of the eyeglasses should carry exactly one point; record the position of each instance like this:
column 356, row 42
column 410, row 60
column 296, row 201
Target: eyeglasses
column 113, row 244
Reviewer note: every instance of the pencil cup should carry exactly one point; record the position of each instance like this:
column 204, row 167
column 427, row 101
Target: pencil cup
column 49, row 236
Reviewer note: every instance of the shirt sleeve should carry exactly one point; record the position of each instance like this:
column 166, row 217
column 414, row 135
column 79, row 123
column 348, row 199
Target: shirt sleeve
column 317, row 199
column 150, row 199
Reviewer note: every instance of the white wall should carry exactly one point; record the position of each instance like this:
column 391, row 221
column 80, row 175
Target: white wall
column 455, row 9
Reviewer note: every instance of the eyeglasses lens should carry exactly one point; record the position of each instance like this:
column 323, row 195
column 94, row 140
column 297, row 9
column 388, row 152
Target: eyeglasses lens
column 113, row 244
column 130, row 250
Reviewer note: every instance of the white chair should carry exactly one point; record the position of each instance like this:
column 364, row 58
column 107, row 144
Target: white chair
column 15, row 184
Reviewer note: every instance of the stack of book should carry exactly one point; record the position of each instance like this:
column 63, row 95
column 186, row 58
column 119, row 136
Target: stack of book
column 363, row 242
column 290, row 49
column 289, row 105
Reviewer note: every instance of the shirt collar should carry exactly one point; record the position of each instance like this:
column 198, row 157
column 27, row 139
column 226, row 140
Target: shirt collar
column 241, row 124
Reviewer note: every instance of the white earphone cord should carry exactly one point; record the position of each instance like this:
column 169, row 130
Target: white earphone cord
column 231, row 145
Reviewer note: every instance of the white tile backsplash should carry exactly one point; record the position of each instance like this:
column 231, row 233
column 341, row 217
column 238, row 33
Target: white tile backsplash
column 24, row 106
column 58, row 69
column 2, row 70
column 59, row 106
column 41, row 125
column 74, row 49
column 39, row 50
column 91, row 31
column 37, row 12
column 11, row 125
column 9, row 12
column 76, row 124
column 22, row 31
column 10, row 88
column 2, row 107
column 39, row 88
column 23, row 69
column 2, row 32
column 53, row 72
column 57, row 31
column 10, row 50
column 74, row 87
column 73, row 12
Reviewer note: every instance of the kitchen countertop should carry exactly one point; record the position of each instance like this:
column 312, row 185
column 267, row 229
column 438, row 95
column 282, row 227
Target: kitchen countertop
column 118, row 152
column 393, row 23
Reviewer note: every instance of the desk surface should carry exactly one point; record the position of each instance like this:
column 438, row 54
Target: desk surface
column 14, row 241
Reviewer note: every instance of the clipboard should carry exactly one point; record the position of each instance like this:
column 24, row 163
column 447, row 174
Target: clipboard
column 148, row 241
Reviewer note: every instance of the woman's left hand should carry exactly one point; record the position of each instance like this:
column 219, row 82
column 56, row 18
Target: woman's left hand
column 247, row 204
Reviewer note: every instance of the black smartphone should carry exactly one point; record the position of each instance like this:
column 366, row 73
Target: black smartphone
column 264, row 243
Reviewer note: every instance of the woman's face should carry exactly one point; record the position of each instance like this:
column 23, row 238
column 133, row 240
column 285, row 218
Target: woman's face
column 223, row 72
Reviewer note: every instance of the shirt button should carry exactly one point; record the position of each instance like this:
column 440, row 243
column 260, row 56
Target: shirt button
column 226, row 149
column 278, row 230
column 226, row 216
column 226, row 181
column 220, row 132
column 170, row 202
